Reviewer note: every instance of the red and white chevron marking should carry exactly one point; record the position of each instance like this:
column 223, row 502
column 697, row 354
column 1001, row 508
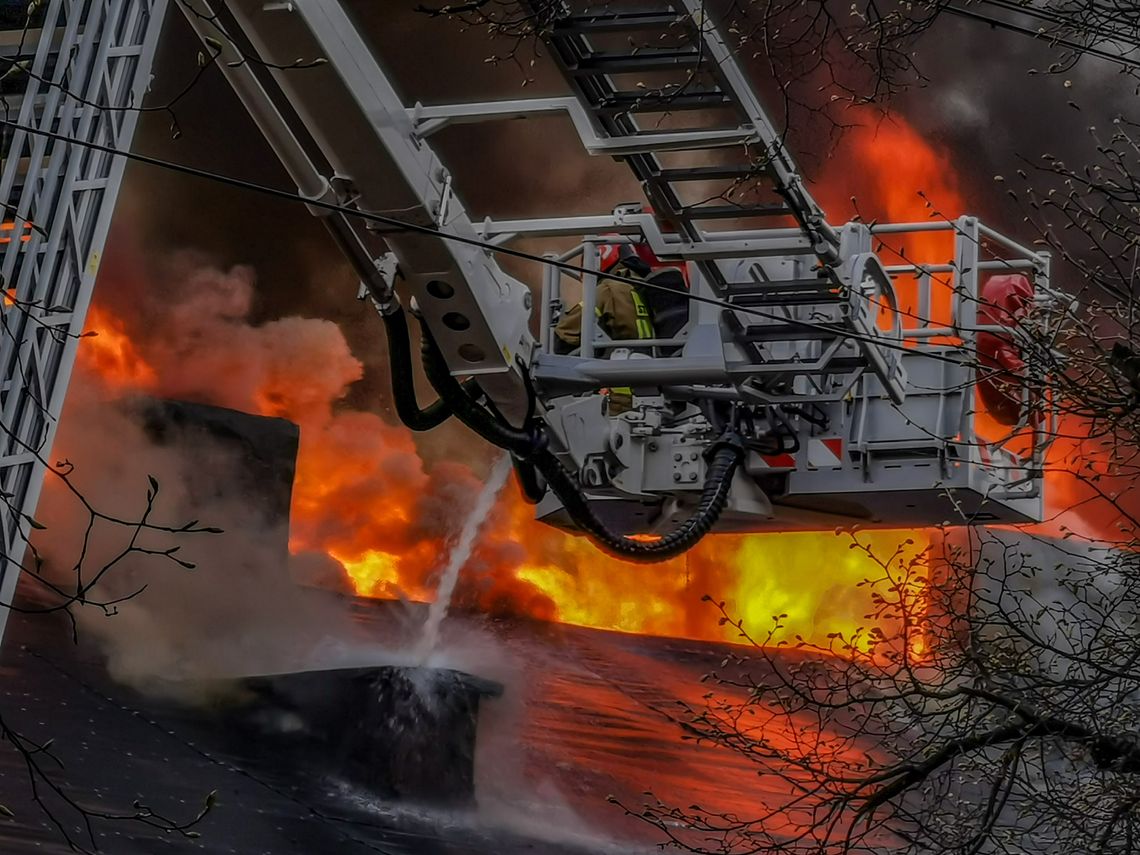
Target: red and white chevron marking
column 821, row 454
column 825, row 453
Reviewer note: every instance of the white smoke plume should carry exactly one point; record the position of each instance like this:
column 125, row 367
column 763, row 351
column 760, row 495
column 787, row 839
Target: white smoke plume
column 247, row 606
column 240, row 610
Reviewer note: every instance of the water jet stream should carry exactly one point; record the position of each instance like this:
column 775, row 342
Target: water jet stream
column 460, row 554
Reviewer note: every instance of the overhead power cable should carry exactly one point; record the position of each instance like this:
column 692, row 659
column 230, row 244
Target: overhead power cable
column 415, row 228
column 970, row 14
column 1128, row 37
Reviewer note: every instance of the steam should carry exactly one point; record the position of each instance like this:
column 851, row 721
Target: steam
column 248, row 605
column 268, row 594
column 240, row 609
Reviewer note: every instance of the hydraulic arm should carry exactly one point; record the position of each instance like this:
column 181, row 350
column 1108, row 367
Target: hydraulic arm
column 788, row 389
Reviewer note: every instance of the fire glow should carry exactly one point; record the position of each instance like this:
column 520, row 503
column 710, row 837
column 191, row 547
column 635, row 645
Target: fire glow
column 366, row 498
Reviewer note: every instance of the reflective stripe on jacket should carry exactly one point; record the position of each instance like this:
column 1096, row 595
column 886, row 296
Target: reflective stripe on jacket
column 621, row 311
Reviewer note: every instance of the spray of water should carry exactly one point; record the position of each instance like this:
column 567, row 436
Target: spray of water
column 460, row 555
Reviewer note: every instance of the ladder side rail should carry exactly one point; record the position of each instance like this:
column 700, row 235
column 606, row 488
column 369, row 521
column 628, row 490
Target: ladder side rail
column 713, row 57
column 80, row 223
column 778, row 160
column 16, row 462
column 50, row 108
column 282, row 129
column 17, row 139
column 29, row 168
column 44, row 200
column 52, row 206
column 593, row 89
column 349, row 107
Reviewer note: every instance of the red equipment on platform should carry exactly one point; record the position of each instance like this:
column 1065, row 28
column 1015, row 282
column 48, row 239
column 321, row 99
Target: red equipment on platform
column 1005, row 300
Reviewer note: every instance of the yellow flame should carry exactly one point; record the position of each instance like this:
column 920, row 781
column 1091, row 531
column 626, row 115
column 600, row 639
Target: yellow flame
column 374, row 574
column 623, row 597
column 814, row 579
column 784, row 587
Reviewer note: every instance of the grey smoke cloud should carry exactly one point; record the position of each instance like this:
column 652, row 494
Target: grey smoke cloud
column 240, row 610
column 983, row 104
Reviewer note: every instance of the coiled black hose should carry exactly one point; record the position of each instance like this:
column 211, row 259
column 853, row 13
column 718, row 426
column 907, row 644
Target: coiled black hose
column 403, row 377
column 531, row 484
column 520, row 441
column 726, row 457
column 529, row 445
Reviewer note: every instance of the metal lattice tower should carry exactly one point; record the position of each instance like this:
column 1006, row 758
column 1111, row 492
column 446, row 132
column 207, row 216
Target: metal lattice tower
column 86, row 68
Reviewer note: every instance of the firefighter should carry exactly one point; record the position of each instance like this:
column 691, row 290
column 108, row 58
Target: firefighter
column 621, row 308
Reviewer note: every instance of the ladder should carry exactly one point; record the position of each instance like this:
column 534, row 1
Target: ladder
column 659, row 89
column 87, row 67
column 692, row 73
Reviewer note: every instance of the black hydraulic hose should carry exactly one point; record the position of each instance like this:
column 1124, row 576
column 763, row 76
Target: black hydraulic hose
column 727, row 454
column 529, row 444
column 531, row 484
column 403, row 378
column 520, row 441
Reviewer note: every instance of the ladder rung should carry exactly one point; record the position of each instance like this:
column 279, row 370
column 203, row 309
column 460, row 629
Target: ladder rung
column 613, row 22
column 795, row 292
column 757, row 333
column 787, row 298
column 656, row 59
column 722, row 212
column 710, row 173
column 649, row 141
column 760, row 287
column 660, row 102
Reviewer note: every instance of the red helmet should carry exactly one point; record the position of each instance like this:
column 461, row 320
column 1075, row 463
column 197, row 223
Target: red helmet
column 610, row 254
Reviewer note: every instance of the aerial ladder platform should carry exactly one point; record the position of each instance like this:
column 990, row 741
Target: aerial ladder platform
column 796, row 390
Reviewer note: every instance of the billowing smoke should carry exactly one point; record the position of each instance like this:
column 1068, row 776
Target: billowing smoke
column 239, row 610
column 180, row 330
column 990, row 102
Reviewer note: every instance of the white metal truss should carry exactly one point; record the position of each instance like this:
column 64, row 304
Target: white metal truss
column 88, row 66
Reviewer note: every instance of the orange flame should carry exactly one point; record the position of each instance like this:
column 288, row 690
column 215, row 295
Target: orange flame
column 109, row 353
column 897, row 176
column 890, row 174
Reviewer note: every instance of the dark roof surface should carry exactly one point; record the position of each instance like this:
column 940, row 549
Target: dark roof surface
column 120, row 746
column 584, row 715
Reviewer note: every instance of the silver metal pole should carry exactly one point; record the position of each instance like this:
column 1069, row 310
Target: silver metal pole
column 589, row 298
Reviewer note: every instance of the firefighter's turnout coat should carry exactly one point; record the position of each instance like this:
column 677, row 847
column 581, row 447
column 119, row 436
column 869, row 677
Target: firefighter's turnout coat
column 621, row 310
